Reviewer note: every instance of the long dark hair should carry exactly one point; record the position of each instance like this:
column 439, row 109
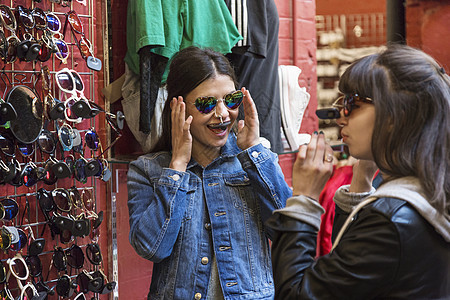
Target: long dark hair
column 411, row 94
column 188, row 69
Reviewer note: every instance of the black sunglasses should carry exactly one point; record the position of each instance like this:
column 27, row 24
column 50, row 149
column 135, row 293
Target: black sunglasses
column 348, row 101
column 72, row 256
column 206, row 104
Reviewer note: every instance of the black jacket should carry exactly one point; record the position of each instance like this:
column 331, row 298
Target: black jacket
column 389, row 251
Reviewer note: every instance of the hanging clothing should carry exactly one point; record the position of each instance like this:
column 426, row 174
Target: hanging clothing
column 171, row 25
column 256, row 64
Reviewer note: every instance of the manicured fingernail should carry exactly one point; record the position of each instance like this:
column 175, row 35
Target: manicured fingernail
column 316, row 133
column 321, row 132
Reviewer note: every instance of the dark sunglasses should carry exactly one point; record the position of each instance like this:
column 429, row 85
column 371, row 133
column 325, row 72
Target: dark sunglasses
column 40, row 18
column 73, row 256
column 45, row 201
column 69, row 81
column 7, row 18
column 348, row 101
column 65, row 287
column 206, row 104
column 61, row 197
column 20, row 242
column 25, row 17
column 83, row 44
column 5, row 238
column 94, row 254
column 34, row 265
column 46, row 142
column 2, row 272
column 9, row 209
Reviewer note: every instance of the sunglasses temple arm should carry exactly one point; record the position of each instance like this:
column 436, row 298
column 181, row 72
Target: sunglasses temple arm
column 65, row 25
column 109, row 147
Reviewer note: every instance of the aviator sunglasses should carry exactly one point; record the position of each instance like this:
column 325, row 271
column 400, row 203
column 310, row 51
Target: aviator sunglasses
column 206, row 104
column 348, row 101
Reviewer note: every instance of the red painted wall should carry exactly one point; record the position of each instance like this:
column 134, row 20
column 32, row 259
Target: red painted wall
column 428, row 28
column 345, row 7
column 297, row 41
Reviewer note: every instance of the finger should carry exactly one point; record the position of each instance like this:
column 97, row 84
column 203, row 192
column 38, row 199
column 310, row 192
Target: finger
column 302, row 150
column 328, row 155
column 249, row 104
column 320, row 149
column 187, row 124
column 241, row 125
column 311, row 151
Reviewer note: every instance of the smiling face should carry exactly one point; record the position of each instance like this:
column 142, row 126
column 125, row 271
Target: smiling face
column 357, row 130
column 208, row 134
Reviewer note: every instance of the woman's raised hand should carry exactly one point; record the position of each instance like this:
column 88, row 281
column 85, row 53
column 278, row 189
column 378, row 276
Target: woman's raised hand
column 363, row 173
column 181, row 135
column 312, row 168
column 248, row 130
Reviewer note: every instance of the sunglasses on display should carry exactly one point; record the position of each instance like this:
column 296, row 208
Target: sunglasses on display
column 348, row 102
column 96, row 282
column 9, row 209
column 5, row 238
column 83, row 44
column 206, row 104
column 65, row 287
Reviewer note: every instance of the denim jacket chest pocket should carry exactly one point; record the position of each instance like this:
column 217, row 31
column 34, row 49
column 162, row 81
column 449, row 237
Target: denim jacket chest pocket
column 241, row 191
column 190, row 195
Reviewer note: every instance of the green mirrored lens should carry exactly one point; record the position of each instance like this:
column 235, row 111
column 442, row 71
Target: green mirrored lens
column 232, row 101
column 205, row 104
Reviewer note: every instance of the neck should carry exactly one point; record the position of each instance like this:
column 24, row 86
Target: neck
column 204, row 155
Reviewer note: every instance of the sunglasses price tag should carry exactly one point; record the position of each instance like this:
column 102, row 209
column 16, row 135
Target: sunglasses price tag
column 94, row 63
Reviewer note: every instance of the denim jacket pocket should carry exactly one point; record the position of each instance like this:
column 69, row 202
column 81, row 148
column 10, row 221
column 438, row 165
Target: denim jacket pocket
column 241, row 191
column 190, row 203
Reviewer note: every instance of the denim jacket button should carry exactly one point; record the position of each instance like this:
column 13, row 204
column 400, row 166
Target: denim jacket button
column 205, row 260
column 176, row 177
column 255, row 154
column 198, row 296
column 208, row 226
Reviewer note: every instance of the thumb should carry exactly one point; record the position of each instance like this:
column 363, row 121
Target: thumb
column 241, row 125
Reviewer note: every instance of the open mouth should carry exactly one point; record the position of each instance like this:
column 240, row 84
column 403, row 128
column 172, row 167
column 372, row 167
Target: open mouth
column 219, row 127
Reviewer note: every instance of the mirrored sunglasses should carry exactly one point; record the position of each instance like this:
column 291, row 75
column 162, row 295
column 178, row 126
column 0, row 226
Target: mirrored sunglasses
column 206, row 104
column 9, row 209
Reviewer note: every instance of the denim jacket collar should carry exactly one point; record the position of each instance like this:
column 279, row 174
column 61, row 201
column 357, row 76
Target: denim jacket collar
column 230, row 149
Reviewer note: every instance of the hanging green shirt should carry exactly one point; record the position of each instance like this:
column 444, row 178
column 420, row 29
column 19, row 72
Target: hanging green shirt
column 171, row 25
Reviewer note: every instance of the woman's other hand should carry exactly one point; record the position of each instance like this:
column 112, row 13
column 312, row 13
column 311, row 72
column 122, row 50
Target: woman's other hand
column 248, row 129
column 363, row 173
column 313, row 167
column 181, row 135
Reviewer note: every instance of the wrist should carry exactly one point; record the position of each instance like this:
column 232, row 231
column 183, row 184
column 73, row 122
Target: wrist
column 178, row 166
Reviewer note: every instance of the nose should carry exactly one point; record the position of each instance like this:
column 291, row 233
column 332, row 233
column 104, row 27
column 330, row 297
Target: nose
column 221, row 109
column 342, row 120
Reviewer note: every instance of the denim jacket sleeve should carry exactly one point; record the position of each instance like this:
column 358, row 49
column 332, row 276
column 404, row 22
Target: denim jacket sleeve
column 261, row 163
column 156, row 204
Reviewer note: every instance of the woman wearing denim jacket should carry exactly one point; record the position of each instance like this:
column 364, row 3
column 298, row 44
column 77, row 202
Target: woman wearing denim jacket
column 198, row 201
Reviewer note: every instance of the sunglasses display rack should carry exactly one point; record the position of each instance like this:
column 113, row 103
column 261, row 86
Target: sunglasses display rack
column 52, row 163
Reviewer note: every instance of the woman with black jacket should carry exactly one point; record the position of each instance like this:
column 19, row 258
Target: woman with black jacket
column 395, row 243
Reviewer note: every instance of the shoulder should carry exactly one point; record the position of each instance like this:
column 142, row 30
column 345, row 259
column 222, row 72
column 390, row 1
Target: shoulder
column 402, row 215
column 152, row 162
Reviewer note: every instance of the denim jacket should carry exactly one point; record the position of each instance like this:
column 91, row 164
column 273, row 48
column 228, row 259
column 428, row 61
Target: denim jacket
column 181, row 220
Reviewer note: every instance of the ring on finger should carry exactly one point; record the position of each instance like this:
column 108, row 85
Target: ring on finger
column 328, row 158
